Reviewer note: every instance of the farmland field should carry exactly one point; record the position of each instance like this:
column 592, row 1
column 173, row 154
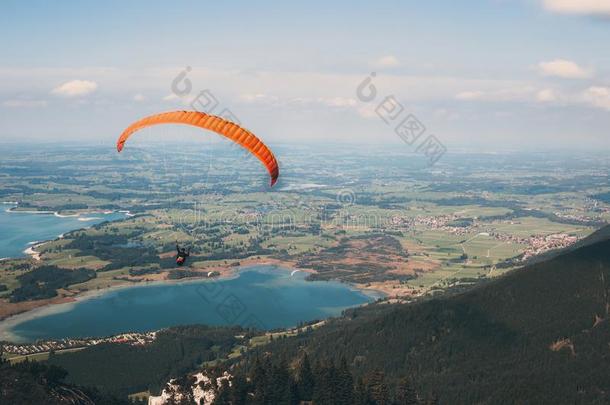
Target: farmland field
column 391, row 224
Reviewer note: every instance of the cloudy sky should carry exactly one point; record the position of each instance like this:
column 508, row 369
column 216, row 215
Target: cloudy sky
column 486, row 74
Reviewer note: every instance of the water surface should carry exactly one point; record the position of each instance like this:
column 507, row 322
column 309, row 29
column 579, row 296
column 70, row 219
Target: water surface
column 19, row 230
column 264, row 297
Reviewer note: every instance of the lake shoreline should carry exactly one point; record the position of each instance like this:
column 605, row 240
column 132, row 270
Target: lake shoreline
column 64, row 303
column 53, row 306
column 59, row 214
column 31, row 250
column 83, row 216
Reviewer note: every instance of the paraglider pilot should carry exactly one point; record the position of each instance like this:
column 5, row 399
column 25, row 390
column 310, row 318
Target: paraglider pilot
column 182, row 255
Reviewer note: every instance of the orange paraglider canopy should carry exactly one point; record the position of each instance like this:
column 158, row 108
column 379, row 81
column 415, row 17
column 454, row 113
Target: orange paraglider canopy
column 214, row 123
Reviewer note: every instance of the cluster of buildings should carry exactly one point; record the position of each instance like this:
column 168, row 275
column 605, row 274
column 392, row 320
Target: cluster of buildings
column 577, row 217
column 437, row 222
column 537, row 244
column 594, row 205
column 54, row 345
column 540, row 244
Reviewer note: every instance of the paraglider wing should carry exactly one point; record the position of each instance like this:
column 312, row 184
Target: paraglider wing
column 219, row 125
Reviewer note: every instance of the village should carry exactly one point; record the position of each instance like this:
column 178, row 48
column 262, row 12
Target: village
column 536, row 244
column 46, row 346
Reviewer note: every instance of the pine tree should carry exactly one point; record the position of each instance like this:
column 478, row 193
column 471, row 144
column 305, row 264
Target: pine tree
column 294, row 392
column 405, row 393
column 432, row 400
column 344, row 394
column 260, row 380
column 324, row 386
column 239, row 389
column 378, row 389
column 305, row 379
column 280, row 383
column 361, row 394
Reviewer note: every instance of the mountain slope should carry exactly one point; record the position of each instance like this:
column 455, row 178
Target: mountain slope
column 35, row 383
column 538, row 335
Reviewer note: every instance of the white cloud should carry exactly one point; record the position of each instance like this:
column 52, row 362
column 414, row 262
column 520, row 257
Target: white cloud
column 139, row 97
column 470, row 95
column 547, row 96
column 289, row 86
column 583, row 7
column 367, row 111
column 446, row 114
column 597, row 96
column 563, row 68
column 170, row 97
column 24, row 103
column 517, row 92
column 187, row 100
column 338, row 102
column 75, row 88
column 387, row 61
column 513, row 93
column 258, row 98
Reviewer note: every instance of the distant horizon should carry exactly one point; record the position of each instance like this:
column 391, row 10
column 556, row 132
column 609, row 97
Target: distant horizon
column 323, row 146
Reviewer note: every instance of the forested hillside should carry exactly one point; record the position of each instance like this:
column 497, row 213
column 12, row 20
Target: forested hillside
column 34, row 383
column 123, row 369
column 538, row 335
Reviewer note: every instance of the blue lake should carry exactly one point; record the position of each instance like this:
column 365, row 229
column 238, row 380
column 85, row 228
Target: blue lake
column 264, row 297
column 19, row 229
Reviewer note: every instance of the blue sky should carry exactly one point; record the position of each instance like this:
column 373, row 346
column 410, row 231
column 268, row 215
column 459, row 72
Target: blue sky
column 481, row 74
